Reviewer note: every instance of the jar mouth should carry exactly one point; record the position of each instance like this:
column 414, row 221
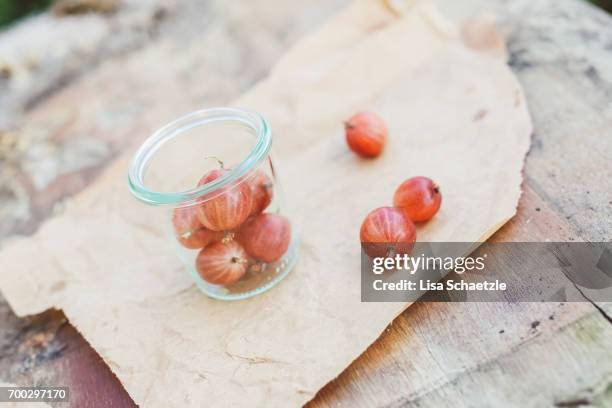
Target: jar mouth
column 192, row 120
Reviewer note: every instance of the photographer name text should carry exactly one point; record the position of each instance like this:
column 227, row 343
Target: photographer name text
column 449, row 285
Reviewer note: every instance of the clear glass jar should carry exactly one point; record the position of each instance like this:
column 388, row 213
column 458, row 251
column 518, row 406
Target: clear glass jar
column 213, row 174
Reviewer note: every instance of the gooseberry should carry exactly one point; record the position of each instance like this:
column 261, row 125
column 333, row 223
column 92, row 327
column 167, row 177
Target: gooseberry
column 226, row 208
column 222, row 263
column 189, row 230
column 387, row 231
column 366, row 134
column 263, row 191
column 266, row 237
column 419, row 198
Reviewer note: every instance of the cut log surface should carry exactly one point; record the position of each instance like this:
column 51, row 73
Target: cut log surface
column 432, row 355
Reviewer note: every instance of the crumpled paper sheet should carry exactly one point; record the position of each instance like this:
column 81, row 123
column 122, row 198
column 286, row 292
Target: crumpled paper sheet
column 456, row 114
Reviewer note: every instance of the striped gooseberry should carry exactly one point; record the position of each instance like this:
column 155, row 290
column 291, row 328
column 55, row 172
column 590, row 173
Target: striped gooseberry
column 387, row 231
column 366, row 134
column 419, row 197
column 222, row 263
column 266, row 237
column 226, row 208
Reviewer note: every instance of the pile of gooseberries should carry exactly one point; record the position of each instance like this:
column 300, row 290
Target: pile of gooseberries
column 230, row 228
column 391, row 230
column 387, row 231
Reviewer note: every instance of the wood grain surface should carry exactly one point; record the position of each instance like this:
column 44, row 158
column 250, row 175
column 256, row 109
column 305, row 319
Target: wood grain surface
column 434, row 354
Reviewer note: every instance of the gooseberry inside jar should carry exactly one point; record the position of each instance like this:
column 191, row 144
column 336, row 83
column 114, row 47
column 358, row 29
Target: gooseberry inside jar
column 225, row 213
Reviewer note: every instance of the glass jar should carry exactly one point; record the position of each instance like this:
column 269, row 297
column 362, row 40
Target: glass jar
column 213, row 174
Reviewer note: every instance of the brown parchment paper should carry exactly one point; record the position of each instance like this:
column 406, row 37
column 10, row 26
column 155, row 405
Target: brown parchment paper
column 455, row 112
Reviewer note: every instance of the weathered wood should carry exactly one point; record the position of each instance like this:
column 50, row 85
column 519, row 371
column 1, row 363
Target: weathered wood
column 483, row 354
column 50, row 49
column 434, row 354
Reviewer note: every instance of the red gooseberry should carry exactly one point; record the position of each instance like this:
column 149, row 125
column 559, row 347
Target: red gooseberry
column 263, row 191
column 189, row 230
column 387, row 231
column 419, row 198
column 366, row 134
column 222, row 263
column 266, row 237
column 227, row 208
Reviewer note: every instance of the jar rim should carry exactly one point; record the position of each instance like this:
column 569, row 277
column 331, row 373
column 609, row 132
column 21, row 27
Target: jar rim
column 198, row 118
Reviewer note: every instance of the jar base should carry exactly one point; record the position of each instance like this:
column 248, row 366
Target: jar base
column 259, row 282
